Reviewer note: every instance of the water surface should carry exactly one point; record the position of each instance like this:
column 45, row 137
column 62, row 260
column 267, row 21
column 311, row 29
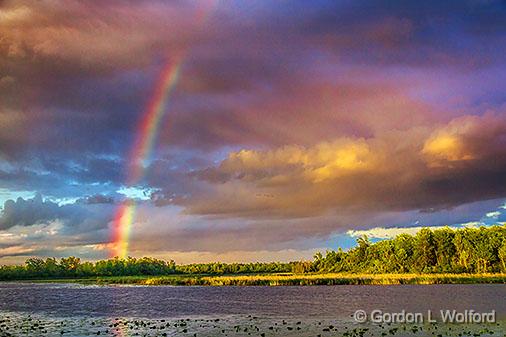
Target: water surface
column 304, row 308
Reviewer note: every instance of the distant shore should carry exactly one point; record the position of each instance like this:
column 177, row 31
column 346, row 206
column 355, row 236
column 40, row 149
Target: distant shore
column 287, row 279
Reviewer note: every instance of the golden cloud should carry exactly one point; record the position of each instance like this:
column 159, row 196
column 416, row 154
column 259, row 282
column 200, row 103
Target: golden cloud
column 324, row 161
column 399, row 170
column 463, row 139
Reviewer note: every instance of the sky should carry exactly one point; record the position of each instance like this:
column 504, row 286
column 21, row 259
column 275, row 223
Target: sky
column 282, row 127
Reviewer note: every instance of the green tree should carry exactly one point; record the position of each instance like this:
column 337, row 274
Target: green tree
column 425, row 251
column 445, row 249
column 502, row 255
column 70, row 265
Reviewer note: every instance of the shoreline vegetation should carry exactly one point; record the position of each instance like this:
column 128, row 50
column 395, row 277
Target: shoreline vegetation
column 288, row 279
column 441, row 256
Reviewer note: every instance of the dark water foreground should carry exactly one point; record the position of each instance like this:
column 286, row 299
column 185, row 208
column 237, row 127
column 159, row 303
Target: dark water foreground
column 74, row 310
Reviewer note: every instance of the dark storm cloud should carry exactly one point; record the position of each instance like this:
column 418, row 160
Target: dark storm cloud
column 260, row 50
column 408, row 32
column 36, row 211
column 80, row 76
column 26, row 213
column 60, row 177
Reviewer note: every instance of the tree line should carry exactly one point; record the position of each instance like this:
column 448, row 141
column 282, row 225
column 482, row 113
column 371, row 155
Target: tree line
column 445, row 250
column 73, row 267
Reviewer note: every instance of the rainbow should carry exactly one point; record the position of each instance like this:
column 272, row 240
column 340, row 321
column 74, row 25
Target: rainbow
column 123, row 220
column 141, row 152
column 146, row 135
column 149, row 126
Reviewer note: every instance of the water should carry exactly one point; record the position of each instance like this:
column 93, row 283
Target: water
column 66, row 304
column 325, row 301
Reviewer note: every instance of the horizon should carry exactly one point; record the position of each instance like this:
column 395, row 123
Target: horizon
column 249, row 131
column 382, row 235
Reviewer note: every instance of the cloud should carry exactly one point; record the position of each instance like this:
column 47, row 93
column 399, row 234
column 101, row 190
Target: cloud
column 75, row 218
column 494, row 214
column 392, row 232
column 386, row 233
column 467, row 138
column 308, row 118
column 157, row 228
column 27, row 212
column 324, row 161
column 99, row 199
column 238, row 256
column 395, row 171
column 73, row 31
column 300, row 76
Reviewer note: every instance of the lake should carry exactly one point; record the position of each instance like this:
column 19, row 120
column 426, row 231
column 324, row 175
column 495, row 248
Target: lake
column 77, row 310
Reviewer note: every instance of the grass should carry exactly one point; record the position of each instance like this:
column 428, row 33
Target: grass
column 291, row 279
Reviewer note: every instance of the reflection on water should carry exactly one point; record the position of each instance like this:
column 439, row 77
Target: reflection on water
column 50, row 309
column 322, row 302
